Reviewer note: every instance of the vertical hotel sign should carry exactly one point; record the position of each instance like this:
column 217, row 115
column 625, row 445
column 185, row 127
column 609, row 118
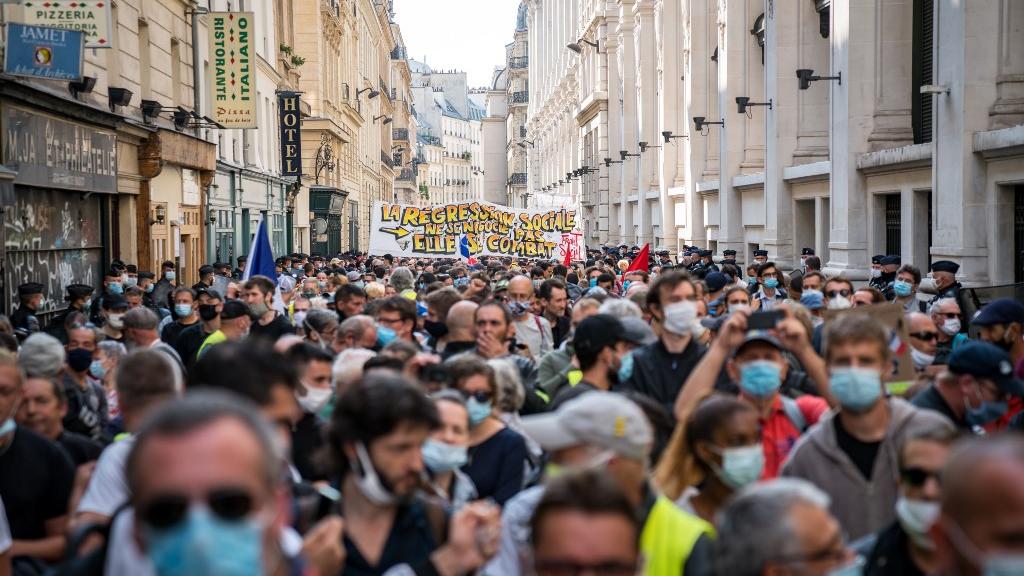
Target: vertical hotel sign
column 291, row 141
column 232, row 71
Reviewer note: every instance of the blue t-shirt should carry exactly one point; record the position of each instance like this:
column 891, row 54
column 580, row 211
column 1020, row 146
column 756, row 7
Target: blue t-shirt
column 497, row 466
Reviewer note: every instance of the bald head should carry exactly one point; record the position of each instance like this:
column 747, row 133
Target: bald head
column 520, row 287
column 460, row 321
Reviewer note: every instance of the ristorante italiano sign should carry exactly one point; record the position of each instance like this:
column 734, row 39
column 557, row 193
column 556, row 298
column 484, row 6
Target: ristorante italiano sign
column 232, row 68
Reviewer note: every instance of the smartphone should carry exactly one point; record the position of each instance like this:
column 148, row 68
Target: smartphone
column 766, row 320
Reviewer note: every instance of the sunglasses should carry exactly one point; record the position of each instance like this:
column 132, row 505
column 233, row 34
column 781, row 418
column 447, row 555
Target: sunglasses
column 833, row 293
column 168, row 510
column 918, row 476
column 950, row 315
column 926, row 336
column 479, row 396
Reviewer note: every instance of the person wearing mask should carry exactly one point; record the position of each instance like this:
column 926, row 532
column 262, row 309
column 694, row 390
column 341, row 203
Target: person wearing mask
column 805, row 253
column 755, row 361
column 770, row 293
column 186, row 312
column 268, row 323
column 497, row 454
column 599, row 347
column 79, row 299
column 356, row 332
column 923, row 338
column 234, row 325
column 782, row 526
column 375, row 441
column 147, row 283
column 319, row 327
column 906, row 547
column 554, row 300
column 446, row 451
column 988, row 386
column 114, row 308
column 165, row 285
column 813, row 281
column 944, row 275
column 397, row 314
column 660, row 368
column 36, row 479
column 904, row 289
column 981, row 510
column 851, row 454
column 208, row 307
column 314, row 365
column 1001, row 322
column 554, row 368
column 23, row 320
column 435, row 324
column 728, row 258
column 104, row 365
column 531, row 329
column 760, row 257
column 459, row 322
column 140, row 333
column 945, row 315
column 716, row 283
column 87, row 412
column 883, row 282
column 112, row 286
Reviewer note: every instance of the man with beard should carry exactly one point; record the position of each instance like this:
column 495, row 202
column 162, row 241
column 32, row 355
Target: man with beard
column 599, row 348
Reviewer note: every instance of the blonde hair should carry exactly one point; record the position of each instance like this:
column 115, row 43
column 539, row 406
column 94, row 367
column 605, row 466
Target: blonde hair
column 374, row 290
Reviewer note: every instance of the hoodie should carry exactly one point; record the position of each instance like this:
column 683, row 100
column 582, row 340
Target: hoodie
column 860, row 505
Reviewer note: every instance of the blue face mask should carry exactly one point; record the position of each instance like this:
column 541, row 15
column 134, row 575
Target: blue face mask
column 169, row 275
column 7, row 427
column 97, row 370
column 385, row 336
column 760, row 378
column 518, row 309
column 593, row 282
column 626, row 284
column 150, row 287
column 441, row 457
column 626, row 368
column 203, row 544
column 115, row 288
column 856, row 389
column 987, row 412
column 478, row 411
column 183, row 310
column 771, row 283
column 902, row 289
column 462, row 281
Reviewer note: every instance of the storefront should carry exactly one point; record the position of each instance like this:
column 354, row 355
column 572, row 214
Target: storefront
column 58, row 224
column 327, row 211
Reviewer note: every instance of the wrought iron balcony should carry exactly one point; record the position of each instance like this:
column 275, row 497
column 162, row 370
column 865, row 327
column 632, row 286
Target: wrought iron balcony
column 520, row 97
column 517, row 179
column 399, row 53
column 385, row 158
column 400, row 134
column 519, row 63
column 407, row 174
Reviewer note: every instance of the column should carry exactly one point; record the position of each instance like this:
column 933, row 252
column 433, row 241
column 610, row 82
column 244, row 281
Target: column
column 627, row 55
column 647, row 115
column 731, row 41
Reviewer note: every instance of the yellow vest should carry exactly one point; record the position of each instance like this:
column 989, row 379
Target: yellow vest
column 668, row 538
column 211, row 340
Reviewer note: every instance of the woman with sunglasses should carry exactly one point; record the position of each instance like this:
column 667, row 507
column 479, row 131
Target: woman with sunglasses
column 497, row 454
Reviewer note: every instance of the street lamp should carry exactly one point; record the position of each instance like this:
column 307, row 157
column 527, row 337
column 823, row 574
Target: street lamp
column 806, row 76
column 743, row 102
column 624, row 154
column 668, row 136
column 372, row 93
column 700, row 122
column 578, row 48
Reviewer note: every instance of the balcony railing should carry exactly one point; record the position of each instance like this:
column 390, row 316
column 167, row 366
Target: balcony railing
column 385, row 90
column 385, row 158
column 522, row 131
column 519, row 62
column 407, row 174
column 520, row 97
column 400, row 134
column 517, row 179
column 399, row 53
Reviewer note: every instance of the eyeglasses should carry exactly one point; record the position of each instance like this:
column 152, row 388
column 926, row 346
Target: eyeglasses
column 918, row 476
column 166, row 510
column 926, row 336
column 949, row 315
column 833, row 293
column 479, row 396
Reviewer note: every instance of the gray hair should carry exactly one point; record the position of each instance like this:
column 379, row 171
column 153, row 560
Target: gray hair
column 355, row 326
column 620, row 308
column 41, row 356
column 938, row 304
column 348, row 367
column 113, row 350
column 401, row 278
column 756, row 528
column 318, row 320
column 510, row 396
column 141, row 318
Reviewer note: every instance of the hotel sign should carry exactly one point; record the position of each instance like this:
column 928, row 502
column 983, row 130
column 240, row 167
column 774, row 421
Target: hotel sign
column 291, row 141
column 232, row 68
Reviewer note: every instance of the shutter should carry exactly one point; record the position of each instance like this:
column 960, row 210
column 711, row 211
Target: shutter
column 923, row 42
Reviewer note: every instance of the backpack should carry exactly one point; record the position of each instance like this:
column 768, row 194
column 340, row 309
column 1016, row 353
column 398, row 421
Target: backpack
column 794, row 413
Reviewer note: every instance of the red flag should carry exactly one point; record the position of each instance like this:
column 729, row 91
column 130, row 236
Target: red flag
column 568, row 257
column 642, row 261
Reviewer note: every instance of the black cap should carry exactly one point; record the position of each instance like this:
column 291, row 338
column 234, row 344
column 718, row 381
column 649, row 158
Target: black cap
column 76, row 291
column 148, row 275
column 877, row 259
column 597, row 332
column 131, row 269
column 890, row 260
column 168, row 264
column 984, row 360
column 705, row 253
column 30, row 289
column 234, row 309
column 807, row 252
column 716, row 281
column 729, row 252
column 760, row 253
column 945, row 266
column 114, row 302
column 242, row 259
column 1001, row 311
column 759, row 336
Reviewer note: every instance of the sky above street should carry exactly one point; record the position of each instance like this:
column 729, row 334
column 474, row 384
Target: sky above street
column 467, row 35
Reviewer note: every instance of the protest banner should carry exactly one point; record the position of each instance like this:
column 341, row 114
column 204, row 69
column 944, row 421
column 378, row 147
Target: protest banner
column 489, row 230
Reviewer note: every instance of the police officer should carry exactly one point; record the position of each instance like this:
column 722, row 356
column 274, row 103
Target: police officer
column 664, row 258
column 79, row 300
column 804, row 255
column 729, row 257
column 883, row 282
column 24, row 321
column 237, row 272
column 876, row 266
column 946, row 286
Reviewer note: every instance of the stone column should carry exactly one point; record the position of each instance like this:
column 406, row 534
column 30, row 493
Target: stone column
column 696, row 62
column 893, row 30
column 647, row 115
column 670, row 32
column 732, row 33
column 1009, row 107
column 630, row 172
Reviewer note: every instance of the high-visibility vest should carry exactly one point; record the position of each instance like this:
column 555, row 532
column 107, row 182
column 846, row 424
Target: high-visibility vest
column 211, row 340
column 668, row 537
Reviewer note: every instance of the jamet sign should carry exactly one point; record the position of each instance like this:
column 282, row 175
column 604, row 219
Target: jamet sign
column 489, row 230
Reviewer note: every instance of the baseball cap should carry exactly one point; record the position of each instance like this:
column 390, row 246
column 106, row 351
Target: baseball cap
column 603, row 419
column 234, row 309
column 984, row 360
column 353, row 276
column 597, row 332
column 1001, row 311
column 716, row 281
column 636, row 331
column 114, row 302
column 759, row 336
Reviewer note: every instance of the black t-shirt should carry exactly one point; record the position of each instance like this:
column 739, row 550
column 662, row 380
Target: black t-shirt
column 279, row 326
column 87, row 409
column 307, row 439
column 660, row 374
column 569, row 392
column 188, row 343
column 173, row 330
column 497, row 466
column 411, row 541
column 36, row 477
column 80, row 448
column 862, row 454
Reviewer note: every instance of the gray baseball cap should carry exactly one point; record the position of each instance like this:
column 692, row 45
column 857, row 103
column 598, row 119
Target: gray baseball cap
column 604, row 419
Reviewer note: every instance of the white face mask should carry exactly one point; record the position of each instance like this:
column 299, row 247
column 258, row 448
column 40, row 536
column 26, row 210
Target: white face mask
column 116, row 321
column 315, row 399
column 951, row 326
column 916, row 517
column 876, row 272
column 921, row 360
column 368, row 481
column 680, row 317
column 840, row 303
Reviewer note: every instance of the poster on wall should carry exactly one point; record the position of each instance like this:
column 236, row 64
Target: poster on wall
column 484, row 229
column 232, row 78
column 90, row 17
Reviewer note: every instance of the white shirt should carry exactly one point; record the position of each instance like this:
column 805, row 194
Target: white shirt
column 535, row 332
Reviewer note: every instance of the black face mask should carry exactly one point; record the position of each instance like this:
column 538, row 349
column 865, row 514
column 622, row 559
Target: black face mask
column 208, row 311
column 79, row 359
column 436, row 329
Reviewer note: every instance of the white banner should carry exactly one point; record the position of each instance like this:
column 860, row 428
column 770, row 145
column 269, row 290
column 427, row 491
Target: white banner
column 91, row 17
column 232, row 75
column 470, row 229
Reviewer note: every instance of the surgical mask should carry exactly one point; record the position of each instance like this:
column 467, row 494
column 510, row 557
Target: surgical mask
column 518, row 309
column 751, row 280
column 856, row 389
column 855, row 568
column 740, row 466
column 169, row 275
column 437, row 330
column 951, row 327
column 625, row 371
column 735, row 307
column 87, row 304
column 478, row 411
column 203, row 544
column 183, row 310
column 441, row 457
column 593, row 282
column 680, row 317
column 97, row 370
column 299, row 317
column 369, row 481
column 8, row 426
column 902, row 289
column 985, row 413
column 771, row 283
column 207, row 311
column 626, row 284
column 840, row 303
column 116, row 321
column 988, row 563
column 385, row 336
column 79, row 359
column 115, row 288
column 259, row 309
column 131, row 281
column 916, row 517
column 760, row 378
column 921, row 360
column 359, row 284
column 876, row 272
column 315, row 399
column 149, row 288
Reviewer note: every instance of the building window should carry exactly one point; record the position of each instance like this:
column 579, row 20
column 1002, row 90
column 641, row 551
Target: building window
column 923, row 39
column 893, row 224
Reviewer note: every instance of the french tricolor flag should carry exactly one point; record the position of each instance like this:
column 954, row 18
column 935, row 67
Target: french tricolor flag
column 464, row 250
